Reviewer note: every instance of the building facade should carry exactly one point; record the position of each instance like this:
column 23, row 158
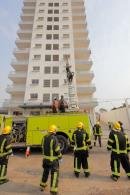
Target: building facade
column 52, row 35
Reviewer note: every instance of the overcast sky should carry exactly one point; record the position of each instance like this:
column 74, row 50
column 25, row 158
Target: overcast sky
column 109, row 34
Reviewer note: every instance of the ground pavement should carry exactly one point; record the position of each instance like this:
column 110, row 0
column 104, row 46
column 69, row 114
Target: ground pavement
column 25, row 175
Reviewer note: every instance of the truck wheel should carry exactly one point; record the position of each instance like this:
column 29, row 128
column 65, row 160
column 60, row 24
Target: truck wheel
column 63, row 143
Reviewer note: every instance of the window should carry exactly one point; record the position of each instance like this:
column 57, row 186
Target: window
column 65, row 11
column 56, row 11
column 55, row 70
column 35, row 81
column 41, row 11
column 66, row 45
column 46, row 83
column 48, row 46
column 55, row 57
column 36, row 68
column 56, row 4
column 33, row 96
column 50, row 4
column 38, row 35
column 41, row 4
column 55, row 46
column 37, row 57
column 65, row 36
column 55, row 36
column 39, row 26
column 47, row 57
column 49, row 27
column 55, row 95
column 49, row 19
column 40, row 19
column 64, row 4
column 56, row 19
column 65, row 18
column 56, row 27
column 50, row 11
column 38, row 45
column 46, row 97
column 47, row 70
column 48, row 36
column 55, row 83
column 65, row 26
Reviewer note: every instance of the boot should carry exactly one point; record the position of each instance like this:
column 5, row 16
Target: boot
column 54, row 193
column 87, row 174
column 76, row 174
column 4, row 181
column 42, row 188
column 114, row 178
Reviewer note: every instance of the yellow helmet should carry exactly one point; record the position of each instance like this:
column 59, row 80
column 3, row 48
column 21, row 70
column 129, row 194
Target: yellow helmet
column 6, row 130
column 98, row 123
column 80, row 125
column 52, row 129
column 117, row 126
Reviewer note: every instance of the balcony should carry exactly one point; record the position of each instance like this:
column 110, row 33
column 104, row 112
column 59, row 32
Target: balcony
column 24, row 34
column 79, row 22
column 23, row 43
column 22, row 54
column 16, row 89
column 81, row 43
column 12, row 103
column 28, row 9
column 29, row 2
column 88, row 88
column 82, row 53
column 26, row 25
column 27, row 16
column 84, row 65
column 18, row 76
column 87, row 103
column 20, row 65
column 78, row 13
column 84, row 76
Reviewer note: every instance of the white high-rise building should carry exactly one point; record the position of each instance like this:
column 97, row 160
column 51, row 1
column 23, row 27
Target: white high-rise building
column 51, row 35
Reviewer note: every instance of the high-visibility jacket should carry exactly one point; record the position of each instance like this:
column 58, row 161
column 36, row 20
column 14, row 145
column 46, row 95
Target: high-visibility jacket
column 5, row 145
column 80, row 140
column 97, row 130
column 118, row 142
column 51, row 148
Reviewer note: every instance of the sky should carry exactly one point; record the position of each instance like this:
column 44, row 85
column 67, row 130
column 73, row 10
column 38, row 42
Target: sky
column 109, row 33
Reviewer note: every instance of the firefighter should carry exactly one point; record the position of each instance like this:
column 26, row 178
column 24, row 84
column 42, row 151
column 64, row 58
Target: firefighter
column 5, row 151
column 52, row 155
column 82, row 143
column 97, row 132
column 119, row 145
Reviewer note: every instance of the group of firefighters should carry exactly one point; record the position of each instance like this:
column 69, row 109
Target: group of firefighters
column 118, row 144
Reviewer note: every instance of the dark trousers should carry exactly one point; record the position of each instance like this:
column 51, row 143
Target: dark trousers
column 52, row 167
column 3, row 168
column 116, row 159
column 81, row 158
column 99, row 140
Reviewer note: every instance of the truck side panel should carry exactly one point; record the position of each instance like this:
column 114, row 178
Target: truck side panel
column 36, row 128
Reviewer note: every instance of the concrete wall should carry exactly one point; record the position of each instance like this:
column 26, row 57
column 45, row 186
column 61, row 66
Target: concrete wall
column 117, row 115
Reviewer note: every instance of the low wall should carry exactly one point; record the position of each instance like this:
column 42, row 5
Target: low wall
column 117, row 115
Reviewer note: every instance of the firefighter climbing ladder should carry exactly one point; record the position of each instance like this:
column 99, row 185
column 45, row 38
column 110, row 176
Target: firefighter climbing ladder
column 73, row 101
